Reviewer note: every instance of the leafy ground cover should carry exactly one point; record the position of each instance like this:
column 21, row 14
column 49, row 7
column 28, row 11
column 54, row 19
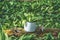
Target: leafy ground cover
column 14, row 13
column 20, row 34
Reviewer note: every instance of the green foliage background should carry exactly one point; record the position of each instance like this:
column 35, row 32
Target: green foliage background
column 46, row 11
column 15, row 13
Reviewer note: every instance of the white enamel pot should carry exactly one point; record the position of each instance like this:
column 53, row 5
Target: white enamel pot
column 30, row 27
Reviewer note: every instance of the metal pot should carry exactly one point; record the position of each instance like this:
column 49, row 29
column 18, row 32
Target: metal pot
column 30, row 27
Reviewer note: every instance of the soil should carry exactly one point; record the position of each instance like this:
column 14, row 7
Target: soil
column 38, row 32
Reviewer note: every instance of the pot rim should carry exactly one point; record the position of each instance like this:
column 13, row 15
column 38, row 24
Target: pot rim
column 30, row 22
